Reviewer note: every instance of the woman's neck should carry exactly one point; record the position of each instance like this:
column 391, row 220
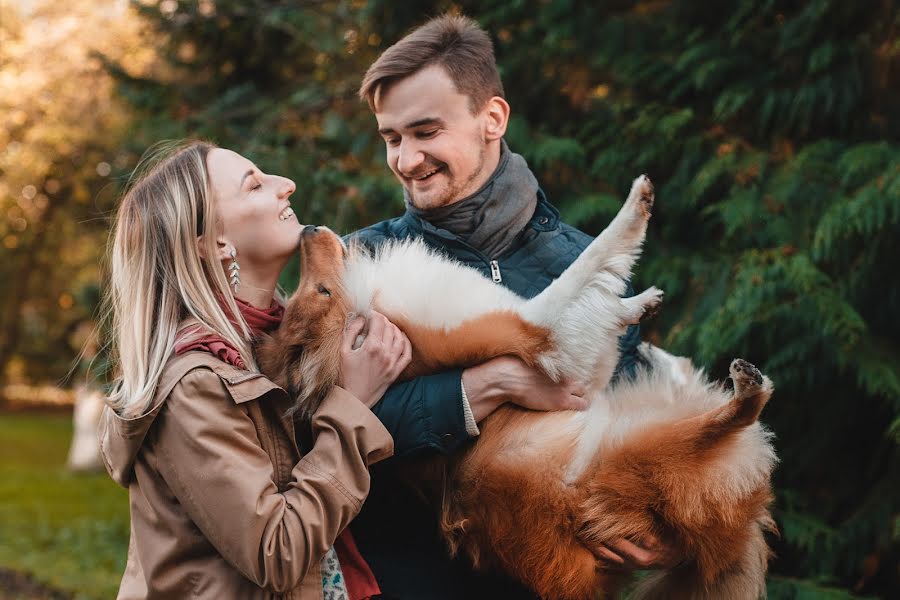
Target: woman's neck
column 258, row 297
column 257, row 288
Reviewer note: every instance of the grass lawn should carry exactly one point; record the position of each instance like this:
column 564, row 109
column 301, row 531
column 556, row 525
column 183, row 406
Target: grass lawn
column 68, row 531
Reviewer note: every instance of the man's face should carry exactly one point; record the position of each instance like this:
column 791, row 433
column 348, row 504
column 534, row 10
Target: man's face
column 435, row 146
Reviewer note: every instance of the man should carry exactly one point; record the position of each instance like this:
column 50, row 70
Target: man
column 438, row 101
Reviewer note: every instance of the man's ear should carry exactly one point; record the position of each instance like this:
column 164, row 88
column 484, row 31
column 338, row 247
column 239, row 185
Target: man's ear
column 221, row 251
column 496, row 114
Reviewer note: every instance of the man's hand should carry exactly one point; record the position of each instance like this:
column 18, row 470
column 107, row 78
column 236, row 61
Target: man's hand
column 508, row 379
column 650, row 554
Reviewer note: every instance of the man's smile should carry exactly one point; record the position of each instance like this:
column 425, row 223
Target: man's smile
column 425, row 175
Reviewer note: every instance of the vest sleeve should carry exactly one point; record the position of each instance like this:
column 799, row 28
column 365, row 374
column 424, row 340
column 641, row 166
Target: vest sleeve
column 425, row 414
column 629, row 357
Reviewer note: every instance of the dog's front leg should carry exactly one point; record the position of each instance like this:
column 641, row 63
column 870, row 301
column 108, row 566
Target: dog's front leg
column 585, row 334
column 583, row 307
column 492, row 334
column 608, row 260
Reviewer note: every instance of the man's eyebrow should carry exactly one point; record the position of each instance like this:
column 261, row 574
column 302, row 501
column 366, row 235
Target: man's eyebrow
column 412, row 125
column 425, row 121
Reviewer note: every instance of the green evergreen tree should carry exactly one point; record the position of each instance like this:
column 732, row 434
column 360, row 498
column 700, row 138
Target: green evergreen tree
column 770, row 129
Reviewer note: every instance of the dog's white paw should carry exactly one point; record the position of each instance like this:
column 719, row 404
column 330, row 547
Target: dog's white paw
column 642, row 194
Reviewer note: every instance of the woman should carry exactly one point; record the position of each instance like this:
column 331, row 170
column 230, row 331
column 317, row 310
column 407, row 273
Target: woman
column 223, row 502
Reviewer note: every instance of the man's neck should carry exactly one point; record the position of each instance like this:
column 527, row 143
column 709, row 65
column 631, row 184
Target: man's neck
column 491, row 163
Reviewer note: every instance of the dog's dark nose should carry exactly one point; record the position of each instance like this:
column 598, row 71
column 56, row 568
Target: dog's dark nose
column 310, row 229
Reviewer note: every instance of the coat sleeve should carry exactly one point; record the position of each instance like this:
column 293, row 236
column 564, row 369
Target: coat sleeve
column 211, row 458
column 425, row 413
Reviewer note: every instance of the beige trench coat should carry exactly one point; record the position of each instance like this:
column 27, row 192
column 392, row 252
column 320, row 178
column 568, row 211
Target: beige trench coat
column 223, row 504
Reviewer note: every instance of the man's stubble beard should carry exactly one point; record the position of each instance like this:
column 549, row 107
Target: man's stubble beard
column 454, row 192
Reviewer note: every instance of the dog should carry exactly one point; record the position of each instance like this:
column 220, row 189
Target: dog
column 667, row 453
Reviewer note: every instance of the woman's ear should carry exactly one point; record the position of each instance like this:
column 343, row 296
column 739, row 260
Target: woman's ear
column 496, row 114
column 221, row 250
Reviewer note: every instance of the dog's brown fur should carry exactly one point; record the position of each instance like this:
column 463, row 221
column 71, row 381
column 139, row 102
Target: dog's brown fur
column 518, row 515
column 491, row 335
column 303, row 355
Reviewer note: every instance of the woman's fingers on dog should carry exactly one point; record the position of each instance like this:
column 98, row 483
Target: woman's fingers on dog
column 351, row 332
column 575, row 399
column 377, row 323
column 406, row 356
column 576, row 402
column 396, row 341
column 389, row 335
column 402, row 353
column 577, row 389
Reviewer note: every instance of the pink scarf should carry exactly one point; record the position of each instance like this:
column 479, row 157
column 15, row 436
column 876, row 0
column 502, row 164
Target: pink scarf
column 358, row 577
column 258, row 320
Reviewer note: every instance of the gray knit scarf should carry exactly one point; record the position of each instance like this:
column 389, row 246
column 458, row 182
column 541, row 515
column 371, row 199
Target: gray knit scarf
column 493, row 218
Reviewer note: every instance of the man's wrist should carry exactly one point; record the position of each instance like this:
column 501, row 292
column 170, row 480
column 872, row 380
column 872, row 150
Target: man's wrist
column 468, row 416
column 482, row 393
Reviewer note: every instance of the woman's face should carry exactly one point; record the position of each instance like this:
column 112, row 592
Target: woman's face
column 254, row 210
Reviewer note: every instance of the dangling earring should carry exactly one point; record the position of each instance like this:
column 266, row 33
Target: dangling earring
column 235, row 271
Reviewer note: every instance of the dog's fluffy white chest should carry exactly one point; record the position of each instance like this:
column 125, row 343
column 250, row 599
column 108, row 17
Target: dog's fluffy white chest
column 407, row 278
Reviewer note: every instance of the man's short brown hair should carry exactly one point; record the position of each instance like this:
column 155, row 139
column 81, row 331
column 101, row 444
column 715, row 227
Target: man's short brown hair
column 455, row 43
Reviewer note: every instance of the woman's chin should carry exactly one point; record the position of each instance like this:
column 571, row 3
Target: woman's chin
column 284, row 242
column 292, row 228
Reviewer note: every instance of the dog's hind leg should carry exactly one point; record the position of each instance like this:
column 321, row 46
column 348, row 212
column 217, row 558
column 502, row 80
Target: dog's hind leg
column 506, row 513
column 752, row 390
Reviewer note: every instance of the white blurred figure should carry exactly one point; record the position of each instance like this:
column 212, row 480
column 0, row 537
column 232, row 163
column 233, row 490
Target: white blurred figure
column 84, row 453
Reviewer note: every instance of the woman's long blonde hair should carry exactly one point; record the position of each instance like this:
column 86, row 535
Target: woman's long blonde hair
column 159, row 277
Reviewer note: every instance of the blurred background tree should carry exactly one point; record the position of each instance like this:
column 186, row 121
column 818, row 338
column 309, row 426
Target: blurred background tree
column 770, row 129
column 61, row 125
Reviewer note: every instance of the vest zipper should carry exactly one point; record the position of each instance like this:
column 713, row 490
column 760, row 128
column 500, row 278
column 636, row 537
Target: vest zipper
column 495, row 272
column 495, row 265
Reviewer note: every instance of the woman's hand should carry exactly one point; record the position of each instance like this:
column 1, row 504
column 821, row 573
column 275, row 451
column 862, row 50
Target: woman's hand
column 367, row 371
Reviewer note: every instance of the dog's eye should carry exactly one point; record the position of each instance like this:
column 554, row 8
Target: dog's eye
column 324, row 290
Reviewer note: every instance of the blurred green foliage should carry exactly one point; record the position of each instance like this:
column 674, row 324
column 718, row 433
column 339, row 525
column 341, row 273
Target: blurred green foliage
column 770, row 128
